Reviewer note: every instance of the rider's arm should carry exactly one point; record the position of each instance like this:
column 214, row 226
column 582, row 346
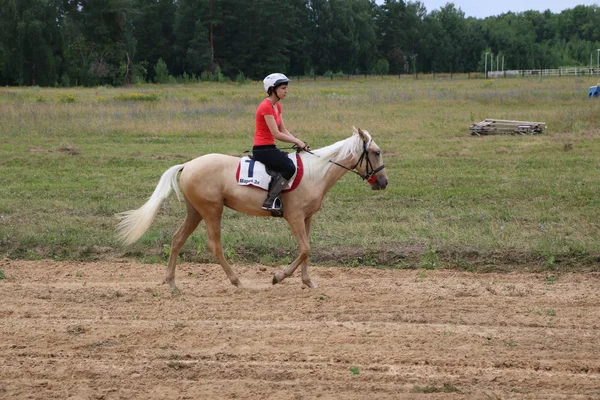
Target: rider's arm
column 284, row 136
column 283, row 128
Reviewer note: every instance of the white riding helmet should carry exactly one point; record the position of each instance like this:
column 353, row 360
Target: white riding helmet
column 274, row 80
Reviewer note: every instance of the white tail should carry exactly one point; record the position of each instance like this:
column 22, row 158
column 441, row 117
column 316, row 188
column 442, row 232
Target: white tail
column 135, row 222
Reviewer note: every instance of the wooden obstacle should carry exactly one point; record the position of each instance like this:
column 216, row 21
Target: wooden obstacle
column 507, row 127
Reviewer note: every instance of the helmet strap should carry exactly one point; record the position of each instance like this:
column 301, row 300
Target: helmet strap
column 274, row 92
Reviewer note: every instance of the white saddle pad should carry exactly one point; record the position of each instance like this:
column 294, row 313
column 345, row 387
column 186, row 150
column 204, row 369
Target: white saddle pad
column 254, row 173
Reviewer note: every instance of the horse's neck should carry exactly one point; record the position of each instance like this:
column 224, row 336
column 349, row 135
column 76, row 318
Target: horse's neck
column 335, row 173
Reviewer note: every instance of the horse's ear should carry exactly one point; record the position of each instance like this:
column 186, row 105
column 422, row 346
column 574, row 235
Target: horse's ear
column 362, row 135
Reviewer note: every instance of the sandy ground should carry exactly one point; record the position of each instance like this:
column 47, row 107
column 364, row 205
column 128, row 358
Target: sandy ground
column 113, row 331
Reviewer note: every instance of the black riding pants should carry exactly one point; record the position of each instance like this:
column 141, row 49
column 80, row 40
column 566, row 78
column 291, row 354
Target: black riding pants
column 275, row 159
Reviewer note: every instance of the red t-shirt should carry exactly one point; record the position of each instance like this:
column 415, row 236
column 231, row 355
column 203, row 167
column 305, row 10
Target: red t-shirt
column 262, row 134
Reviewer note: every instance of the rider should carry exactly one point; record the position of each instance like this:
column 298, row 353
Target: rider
column 270, row 126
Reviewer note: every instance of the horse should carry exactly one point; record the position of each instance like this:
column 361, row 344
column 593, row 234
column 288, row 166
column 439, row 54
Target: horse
column 209, row 184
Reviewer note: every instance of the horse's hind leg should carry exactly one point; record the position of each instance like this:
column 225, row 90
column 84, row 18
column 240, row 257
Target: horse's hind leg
column 192, row 220
column 212, row 219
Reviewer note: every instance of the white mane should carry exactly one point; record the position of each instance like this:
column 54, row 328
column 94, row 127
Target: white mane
column 317, row 164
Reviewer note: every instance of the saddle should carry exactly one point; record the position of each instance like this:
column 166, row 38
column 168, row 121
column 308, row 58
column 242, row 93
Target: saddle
column 251, row 172
column 254, row 173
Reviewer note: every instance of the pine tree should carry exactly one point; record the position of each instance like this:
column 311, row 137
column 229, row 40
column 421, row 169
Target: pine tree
column 30, row 41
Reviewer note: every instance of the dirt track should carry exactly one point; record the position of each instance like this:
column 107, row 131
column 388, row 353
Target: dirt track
column 112, row 331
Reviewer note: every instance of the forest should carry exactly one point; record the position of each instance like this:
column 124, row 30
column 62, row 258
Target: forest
column 118, row 42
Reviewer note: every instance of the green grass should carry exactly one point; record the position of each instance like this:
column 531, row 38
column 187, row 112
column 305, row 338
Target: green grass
column 433, row 387
column 73, row 159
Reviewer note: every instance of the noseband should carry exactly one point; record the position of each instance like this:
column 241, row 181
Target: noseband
column 369, row 175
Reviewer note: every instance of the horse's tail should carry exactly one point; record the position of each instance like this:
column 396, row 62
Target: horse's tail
column 135, row 222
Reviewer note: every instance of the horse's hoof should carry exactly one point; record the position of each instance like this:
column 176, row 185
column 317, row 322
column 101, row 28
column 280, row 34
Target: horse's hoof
column 171, row 283
column 236, row 283
column 275, row 281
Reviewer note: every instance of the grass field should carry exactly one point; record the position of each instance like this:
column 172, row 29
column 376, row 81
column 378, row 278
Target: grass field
column 72, row 158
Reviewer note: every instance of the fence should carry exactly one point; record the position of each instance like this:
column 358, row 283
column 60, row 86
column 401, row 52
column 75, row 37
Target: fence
column 570, row 71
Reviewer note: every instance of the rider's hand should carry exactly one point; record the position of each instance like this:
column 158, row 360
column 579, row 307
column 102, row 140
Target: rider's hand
column 303, row 147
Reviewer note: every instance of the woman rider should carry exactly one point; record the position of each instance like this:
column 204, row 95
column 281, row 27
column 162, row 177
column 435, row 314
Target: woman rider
column 270, row 126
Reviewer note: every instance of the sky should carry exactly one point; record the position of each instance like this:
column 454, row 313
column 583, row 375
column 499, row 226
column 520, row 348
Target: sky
column 485, row 8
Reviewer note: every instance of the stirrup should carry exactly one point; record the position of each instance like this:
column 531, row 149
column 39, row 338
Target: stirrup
column 272, row 205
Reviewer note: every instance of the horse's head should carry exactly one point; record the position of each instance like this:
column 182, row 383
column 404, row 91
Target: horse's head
column 370, row 164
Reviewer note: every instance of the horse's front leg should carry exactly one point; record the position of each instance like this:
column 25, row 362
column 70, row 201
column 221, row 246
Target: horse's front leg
column 305, row 276
column 287, row 271
column 300, row 230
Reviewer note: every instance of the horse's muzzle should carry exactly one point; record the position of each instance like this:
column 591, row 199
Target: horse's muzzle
column 379, row 184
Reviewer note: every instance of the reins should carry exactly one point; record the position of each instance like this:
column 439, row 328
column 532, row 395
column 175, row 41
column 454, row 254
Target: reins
column 370, row 171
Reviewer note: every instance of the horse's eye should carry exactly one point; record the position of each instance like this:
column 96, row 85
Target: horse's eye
column 378, row 153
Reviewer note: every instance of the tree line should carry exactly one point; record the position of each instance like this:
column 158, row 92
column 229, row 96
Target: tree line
column 116, row 42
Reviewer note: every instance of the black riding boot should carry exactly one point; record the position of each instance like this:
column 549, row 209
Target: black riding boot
column 273, row 202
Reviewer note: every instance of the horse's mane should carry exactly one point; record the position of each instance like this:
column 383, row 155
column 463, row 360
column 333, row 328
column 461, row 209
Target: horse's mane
column 317, row 164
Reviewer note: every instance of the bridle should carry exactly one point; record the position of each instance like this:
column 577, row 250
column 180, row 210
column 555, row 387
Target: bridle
column 370, row 172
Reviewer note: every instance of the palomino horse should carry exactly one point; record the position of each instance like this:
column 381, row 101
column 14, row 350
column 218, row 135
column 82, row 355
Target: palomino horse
column 209, row 184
